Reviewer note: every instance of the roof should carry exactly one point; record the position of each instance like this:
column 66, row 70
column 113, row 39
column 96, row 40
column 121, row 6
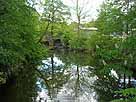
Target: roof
column 89, row 29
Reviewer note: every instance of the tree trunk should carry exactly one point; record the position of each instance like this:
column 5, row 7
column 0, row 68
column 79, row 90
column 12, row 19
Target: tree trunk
column 124, row 83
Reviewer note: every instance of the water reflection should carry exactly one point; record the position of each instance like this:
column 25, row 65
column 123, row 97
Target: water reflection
column 23, row 89
column 67, row 82
column 63, row 77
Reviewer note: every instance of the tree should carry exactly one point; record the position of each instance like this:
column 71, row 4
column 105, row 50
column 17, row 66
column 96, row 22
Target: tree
column 116, row 21
column 55, row 13
column 18, row 32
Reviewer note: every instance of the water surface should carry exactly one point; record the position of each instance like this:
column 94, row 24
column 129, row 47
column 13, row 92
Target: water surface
column 63, row 77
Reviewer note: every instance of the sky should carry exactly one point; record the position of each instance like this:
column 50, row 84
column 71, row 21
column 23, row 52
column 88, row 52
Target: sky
column 90, row 6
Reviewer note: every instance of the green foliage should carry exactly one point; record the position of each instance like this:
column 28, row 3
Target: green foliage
column 116, row 46
column 110, row 19
column 53, row 20
column 77, row 42
column 129, row 95
column 18, row 31
column 55, row 11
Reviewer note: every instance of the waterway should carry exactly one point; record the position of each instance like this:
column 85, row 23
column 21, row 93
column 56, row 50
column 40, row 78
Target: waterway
column 64, row 76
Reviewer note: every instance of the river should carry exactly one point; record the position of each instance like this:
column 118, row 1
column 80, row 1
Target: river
column 64, row 76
